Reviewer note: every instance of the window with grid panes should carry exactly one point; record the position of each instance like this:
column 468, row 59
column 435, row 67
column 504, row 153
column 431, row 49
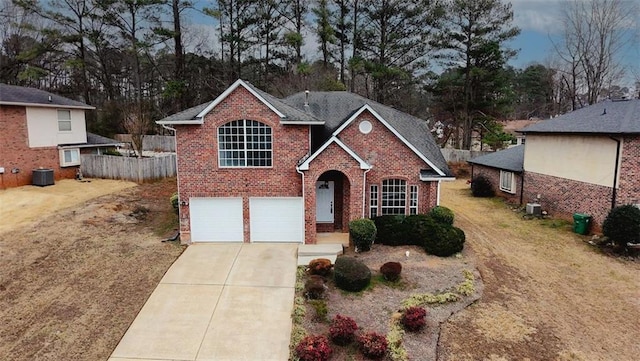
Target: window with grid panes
column 394, row 196
column 245, row 143
column 413, row 200
column 373, row 201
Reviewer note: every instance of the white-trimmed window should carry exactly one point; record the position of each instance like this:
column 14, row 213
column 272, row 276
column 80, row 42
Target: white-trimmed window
column 373, row 201
column 413, row 199
column 69, row 157
column 245, row 143
column 394, row 196
column 507, row 182
column 64, row 120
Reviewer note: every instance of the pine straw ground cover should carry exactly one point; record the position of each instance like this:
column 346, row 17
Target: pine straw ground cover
column 442, row 286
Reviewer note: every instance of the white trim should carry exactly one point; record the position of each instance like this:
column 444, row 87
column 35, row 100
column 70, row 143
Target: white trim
column 302, row 122
column 229, row 90
column 437, row 179
column 395, row 132
column 178, row 122
column 512, row 189
column 52, row 105
column 363, row 163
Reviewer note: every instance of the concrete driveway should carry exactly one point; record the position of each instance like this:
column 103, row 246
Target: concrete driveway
column 218, row 302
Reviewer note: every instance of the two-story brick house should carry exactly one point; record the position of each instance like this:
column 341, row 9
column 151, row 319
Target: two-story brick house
column 255, row 168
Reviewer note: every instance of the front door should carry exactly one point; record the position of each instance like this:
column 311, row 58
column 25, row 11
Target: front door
column 324, row 201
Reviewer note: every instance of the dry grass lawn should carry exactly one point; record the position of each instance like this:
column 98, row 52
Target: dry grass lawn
column 76, row 269
column 548, row 294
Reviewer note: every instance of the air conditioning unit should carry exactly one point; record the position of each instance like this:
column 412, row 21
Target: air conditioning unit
column 534, row 209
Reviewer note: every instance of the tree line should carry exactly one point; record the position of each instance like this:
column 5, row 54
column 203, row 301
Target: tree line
column 442, row 60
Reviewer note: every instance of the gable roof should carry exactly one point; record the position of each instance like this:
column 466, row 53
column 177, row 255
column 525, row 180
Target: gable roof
column 22, row 96
column 607, row 117
column 304, row 164
column 511, row 159
column 338, row 107
column 287, row 113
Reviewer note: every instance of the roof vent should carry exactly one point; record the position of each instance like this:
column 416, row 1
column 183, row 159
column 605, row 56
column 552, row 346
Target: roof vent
column 49, row 98
column 306, row 101
column 604, row 112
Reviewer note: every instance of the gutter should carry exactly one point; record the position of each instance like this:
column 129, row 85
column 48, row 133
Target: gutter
column 615, row 173
column 364, row 192
column 304, row 219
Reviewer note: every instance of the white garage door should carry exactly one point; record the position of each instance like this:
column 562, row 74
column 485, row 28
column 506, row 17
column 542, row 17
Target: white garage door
column 216, row 219
column 277, row 219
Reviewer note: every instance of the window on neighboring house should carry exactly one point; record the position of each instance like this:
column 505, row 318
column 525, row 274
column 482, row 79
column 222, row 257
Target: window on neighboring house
column 373, row 201
column 64, row 120
column 413, row 200
column 394, row 196
column 245, row 143
column 507, row 182
column 69, row 157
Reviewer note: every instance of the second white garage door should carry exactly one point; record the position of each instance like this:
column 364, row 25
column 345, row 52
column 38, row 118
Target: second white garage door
column 276, row 219
column 216, row 219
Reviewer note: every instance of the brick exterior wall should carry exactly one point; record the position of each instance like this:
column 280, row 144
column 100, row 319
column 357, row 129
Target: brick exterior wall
column 629, row 182
column 493, row 175
column 15, row 151
column 200, row 176
column 563, row 197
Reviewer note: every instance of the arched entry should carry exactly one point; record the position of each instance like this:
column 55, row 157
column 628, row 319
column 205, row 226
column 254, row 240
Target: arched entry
column 332, row 202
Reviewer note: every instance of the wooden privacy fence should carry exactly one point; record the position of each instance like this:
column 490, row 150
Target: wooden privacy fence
column 460, row 155
column 156, row 143
column 128, row 168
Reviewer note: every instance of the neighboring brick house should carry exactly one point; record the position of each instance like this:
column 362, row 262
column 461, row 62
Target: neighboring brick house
column 42, row 130
column 586, row 161
column 504, row 170
column 255, row 168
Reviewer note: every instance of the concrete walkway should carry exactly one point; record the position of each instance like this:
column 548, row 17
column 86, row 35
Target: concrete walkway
column 223, row 302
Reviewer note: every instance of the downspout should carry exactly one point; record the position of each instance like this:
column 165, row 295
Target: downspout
column 438, row 194
column 304, row 220
column 615, row 173
column 521, row 187
column 364, row 192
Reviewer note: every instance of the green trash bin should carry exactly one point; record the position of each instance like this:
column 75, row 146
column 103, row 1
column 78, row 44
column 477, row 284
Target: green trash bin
column 581, row 223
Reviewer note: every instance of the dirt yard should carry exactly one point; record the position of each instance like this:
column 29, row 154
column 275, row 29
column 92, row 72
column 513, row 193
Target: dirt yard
column 78, row 262
column 548, row 294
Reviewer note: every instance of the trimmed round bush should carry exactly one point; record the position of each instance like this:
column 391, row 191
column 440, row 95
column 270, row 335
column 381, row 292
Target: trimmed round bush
column 414, row 319
column 622, row 225
column 417, row 228
column 444, row 240
column 320, row 267
column 351, row 274
column 342, row 330
column 314, row 348
column 482, row 187
column 442, row 214
column 373, row 345
column 363, row 233
column 391, row 271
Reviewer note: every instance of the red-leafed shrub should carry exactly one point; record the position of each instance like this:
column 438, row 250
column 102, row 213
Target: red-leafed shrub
column 414, row 318
column 391, row 271
column 314, row 348
column 342, row 330
column 320, row 266
column 373, row 345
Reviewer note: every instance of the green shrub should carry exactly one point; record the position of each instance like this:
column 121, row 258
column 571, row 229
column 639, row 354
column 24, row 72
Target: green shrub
column 314, row 348
column 342, row 330
column 444, row 240
column 417, row 228
column 390, row 230
column 174, row 202
column 622, row 225
column 481, row 187
column 363, row 233
column 351, row 274
column 391, row 271
column 373, row 345
column 320, row 310
column 442, row 214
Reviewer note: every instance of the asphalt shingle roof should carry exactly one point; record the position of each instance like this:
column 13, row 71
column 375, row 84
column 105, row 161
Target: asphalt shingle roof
column 12, row 95
column 607, row 117
column 95, row 139
column 511, row 159
column 338, row 106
